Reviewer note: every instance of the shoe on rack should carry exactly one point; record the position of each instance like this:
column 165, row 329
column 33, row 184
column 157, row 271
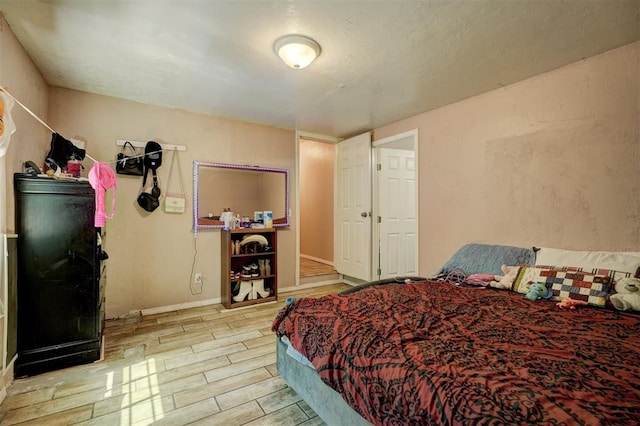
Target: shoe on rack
column 261, row 267
column 246, row 289
column 254, row 270
column 259, row 290
column 252, row 293
column 267, row 267
column 246, row 271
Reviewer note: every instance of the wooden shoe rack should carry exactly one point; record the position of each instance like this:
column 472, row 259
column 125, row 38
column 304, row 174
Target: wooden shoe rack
column 233, row 261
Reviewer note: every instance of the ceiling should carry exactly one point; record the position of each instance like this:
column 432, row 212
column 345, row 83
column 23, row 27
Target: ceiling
column 381, row 61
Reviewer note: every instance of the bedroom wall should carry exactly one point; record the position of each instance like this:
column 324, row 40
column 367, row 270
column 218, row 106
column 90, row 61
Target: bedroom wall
column 30, row 140
column 151, row 255
column 550, row 161
column 316, row 199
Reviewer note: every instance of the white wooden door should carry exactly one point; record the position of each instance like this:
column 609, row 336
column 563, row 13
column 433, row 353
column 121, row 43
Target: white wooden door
column 352, row 225
column 397, row 209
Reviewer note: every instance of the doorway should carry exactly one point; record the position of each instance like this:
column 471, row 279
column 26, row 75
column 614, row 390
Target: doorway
column 395, row 247
column 316, row 159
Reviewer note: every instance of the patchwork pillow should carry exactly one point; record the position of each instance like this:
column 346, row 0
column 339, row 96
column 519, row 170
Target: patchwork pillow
column 611, row 273
column 578, row 285
column 568, row 282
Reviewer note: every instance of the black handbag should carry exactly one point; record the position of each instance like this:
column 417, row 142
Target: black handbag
column 149, row 202
column 129, row 165
column 152, row 161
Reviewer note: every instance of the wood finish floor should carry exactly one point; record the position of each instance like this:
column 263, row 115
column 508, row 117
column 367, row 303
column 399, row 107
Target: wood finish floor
column 199, row 366
column 311, row 268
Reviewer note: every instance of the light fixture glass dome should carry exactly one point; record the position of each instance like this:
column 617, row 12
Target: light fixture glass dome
column 296, row 51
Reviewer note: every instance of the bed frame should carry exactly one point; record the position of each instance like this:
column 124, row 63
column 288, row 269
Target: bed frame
column 327, row 403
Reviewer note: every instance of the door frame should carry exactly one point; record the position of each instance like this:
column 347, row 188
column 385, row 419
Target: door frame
column 296, row 187
column 389, row 142
column 375, row 195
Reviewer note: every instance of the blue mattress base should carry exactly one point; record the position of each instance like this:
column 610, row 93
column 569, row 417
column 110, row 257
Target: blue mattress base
column 326, row 402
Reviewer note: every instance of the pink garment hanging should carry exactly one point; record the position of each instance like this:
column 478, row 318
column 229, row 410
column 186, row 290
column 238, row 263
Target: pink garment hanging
column 101, row 178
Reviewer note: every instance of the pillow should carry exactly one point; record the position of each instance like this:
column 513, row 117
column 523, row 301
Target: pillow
column 487, row 259
column 612, row 274
column 617, row 261
column 568, row 282
column 528, row 275
column 579, row 285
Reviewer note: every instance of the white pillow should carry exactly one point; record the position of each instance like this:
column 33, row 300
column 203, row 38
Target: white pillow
column 625, row 261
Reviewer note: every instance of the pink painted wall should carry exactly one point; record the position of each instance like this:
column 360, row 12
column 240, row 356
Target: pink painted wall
column 316, row 199
column 151, row 255
column 550, row 161
column 30, row 140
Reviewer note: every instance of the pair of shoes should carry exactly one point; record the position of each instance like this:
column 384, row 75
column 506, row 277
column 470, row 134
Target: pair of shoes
column 235, row 247
column 246, row 271
column 252, row 247
column 252, row 289
column 250, row 271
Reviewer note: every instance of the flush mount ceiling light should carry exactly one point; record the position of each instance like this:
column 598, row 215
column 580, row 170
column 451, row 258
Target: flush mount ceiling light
column 296, row 51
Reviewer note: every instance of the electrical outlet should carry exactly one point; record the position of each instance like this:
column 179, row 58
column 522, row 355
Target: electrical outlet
column 197, row 278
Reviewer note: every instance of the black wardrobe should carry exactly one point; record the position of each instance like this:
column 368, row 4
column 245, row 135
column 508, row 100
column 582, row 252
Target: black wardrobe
column 60, row 296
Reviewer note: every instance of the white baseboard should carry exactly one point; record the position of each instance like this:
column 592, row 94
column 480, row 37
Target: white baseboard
column 180, row 306
column 310, row 285
column 315, row 259
column 352, row 281
column 169, row 308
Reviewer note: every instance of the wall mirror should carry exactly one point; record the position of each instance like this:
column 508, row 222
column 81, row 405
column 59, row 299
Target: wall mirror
column 243, row 189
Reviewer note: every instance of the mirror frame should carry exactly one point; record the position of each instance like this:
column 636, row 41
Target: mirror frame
column 282, row 223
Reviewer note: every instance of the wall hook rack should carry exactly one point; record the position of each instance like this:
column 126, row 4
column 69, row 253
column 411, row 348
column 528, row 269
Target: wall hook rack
column 165, row 146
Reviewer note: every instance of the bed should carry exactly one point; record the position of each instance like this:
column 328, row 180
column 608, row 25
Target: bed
column 433, row 351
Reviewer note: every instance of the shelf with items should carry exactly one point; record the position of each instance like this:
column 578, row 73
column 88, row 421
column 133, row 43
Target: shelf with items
column 249, row 269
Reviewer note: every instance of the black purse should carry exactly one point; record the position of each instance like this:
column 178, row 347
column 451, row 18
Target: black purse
column 127, row 165
column 152, row 160
column 150, row 201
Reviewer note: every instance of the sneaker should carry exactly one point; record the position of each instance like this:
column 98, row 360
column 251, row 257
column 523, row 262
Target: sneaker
column 254, row 270
column 246, row 271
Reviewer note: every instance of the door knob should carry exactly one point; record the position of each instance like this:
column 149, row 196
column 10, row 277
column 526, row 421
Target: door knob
column 364, row 214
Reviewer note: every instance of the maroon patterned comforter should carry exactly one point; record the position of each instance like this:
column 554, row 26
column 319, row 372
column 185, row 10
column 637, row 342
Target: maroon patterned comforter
column 433, row 353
